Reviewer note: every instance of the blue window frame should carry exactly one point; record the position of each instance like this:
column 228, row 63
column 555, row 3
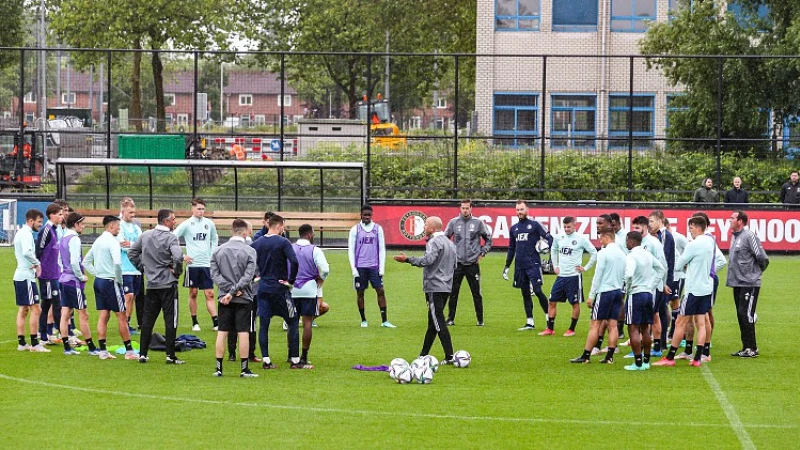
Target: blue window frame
column 517, row 15
column 643, row 121
column 632, row 16
column 674, row 5
column 575, row 15
column 745, row 17
column 673, row 106
column 572, row 120
column 516, row 118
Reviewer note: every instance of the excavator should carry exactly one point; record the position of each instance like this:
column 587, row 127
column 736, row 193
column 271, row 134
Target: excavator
column 22, row 167
column 385, row 133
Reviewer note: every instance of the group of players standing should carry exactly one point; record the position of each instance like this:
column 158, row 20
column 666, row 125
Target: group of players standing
column 641, row 275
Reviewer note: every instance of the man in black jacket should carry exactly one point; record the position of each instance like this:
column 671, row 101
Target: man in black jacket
column 790, row 191
column 737, row 194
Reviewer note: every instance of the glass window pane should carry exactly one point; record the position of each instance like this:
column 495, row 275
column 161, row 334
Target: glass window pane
column 515, row 100
column 622, row 7
column 528, row 24
column 642, row 102
column 584, row 120
column 562, row 120
column 526, row 120
column 575, row 12
column 645, row 8
column 642, row 121
column 618, row 102
column 620, row 25
column 528, row 7
column 641, row 25
column 619, row 121
column 506, row 7
column 505, row 24
column 504, row 120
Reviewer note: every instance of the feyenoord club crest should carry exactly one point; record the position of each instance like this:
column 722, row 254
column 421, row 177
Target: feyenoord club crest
column 412, row 225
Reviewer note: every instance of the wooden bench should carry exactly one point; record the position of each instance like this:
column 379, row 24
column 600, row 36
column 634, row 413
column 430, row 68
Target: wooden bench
column 334, row 224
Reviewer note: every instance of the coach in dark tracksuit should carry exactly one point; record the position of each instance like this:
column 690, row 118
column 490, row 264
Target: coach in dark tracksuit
column 439, row 263
column 157, row 254
column 747, row 262
column 467, row 232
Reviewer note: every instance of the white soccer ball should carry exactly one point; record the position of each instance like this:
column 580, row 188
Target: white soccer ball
column 433, row 363
column 396, row 366
column 462, row 359
column 419, row 363
column 542, row 246
column 401, row 374
column 423, row 374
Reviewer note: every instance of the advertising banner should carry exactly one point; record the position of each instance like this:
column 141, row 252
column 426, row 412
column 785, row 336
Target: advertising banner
column 403, row 225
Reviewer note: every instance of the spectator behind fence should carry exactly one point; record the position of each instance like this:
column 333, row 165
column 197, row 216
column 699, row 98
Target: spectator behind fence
column 737, row 194
column 706, row 193
column 790, row 191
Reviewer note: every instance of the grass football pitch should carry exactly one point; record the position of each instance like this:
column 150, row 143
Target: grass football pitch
column 520, row 391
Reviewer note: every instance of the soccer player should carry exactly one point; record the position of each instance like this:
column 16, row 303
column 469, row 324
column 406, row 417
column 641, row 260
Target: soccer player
column 104, row 261
column 263, row 231
column 158, row 255
column 467, row 232
column 233, row 267
column 131, row 278
column 567, row 256
column 438, row 262
column 661, row 308
column 73, row 282
column 312, row 270
column 200, row 235
column 621, row 240
column 605, row 296
column 697, row 260
column 528, row 276
column 719, row 263
column 277, row 267
column 641, row 268
column 366, row 249
column 28, row 268
column 676, row 285
column 47, row 253
column 748, row 262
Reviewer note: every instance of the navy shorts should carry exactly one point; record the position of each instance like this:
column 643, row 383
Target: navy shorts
column 567, row 289
column 366, row 277
column 48, row 289
column 73, row 297
column 525, row 277
column 131, row 284
column 714, row 294
column 199, row 278
column 27, row 293
column 606, row 306
column 677, row 288
column 659, row 301
column 307, row 306
column 108, row 295
column 281, row 304
column 639, row 309
column 695, row 305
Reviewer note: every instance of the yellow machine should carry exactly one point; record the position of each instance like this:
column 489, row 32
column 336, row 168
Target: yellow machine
column 385, row 133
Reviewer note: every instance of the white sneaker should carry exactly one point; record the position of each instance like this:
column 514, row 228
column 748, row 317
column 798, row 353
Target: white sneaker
column 626, row 343
column 74, row 341
column 196, row 327
column 39, row 348
column 684, row 355
column 285, row 326
column 604, row 350
column 24, row 348
column 105, row 355
column 215, row 328
column 77, row 332
column 595, row 351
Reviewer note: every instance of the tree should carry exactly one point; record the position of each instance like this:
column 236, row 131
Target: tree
column 361, row 26
column 12, row 12
column 753, row 89
column 145, row 24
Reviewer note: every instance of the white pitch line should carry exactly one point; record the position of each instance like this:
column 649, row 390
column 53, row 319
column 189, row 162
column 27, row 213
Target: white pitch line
column 730, row 411
column 378, row 413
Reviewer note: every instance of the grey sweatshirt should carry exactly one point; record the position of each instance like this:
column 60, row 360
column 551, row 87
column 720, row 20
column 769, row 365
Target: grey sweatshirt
column 157, row 254
column 748, row 260
column 468, row 233
column 439, row 262
column 233, row 267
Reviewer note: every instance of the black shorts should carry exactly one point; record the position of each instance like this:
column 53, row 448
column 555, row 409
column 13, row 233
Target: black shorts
column 307, row 306
column 236, row 317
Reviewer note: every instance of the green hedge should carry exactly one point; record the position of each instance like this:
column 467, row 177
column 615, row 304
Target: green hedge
column 425, row 170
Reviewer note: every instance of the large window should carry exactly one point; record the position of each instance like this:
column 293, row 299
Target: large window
column 575, row 15
column 517, row 15
column 516, row 118
column 572, row 120
column 245, row 99
column 746, row 16
column 632, row 15
column 642, row 123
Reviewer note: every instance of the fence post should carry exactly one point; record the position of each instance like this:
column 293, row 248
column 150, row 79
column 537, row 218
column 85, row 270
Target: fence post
column 150, row 183
column 630, row 132
column 280, row 119
column 719, row 122
column 108, row 188
column 369, row 115
column 542, row 129
column 455, row 133
column 235, row 189
column 108, row 105
column 21, row 96
column 194, row 104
